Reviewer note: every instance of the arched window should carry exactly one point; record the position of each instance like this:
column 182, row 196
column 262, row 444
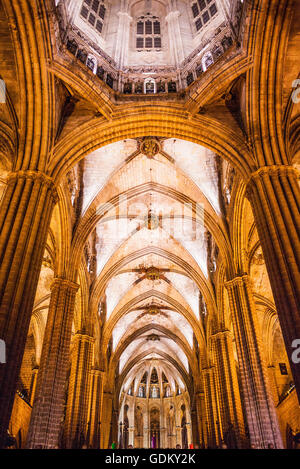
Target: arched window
column 154, row 392
column 203, row 11
column 93, row 11
column 2, row 351
column 92, row 63
column 149, row 86
column 207, row 61
column 148, row 33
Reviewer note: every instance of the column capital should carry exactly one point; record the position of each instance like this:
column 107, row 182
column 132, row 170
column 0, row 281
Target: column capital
column 237, row 281
column 126, row 15
column 172, row 15
column 219, row 334
column 209, row 369
column 84, row 337
column 59, row 282
column 272, row 170
column 96, row 372
column 34, row 176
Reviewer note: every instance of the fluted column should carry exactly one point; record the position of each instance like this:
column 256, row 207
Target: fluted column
column 211, row 407
column 261, row 415
column 25, row 215
column 201, row 416
column 122, row 43
column 274, row 195
column 131, row 436
column 189, row 433
column 162, row 423
column 95, row 403
column 175, row 39
column 48, row 404
column 146, row 429
column 78, row 396
column 106, row 418
column 194, row 422
column 114, row 426
column 163, row 437
column 178, row 435
column 230, row 399
column 35, row 371
column 272, row 380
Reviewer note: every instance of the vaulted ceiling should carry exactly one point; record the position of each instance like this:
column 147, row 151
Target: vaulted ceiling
column 147, row 209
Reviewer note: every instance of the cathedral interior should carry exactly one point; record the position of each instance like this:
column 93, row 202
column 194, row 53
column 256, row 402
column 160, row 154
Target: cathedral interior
column 149, row 224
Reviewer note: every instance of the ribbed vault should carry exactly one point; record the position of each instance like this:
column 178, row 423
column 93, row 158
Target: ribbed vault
column 150, row 218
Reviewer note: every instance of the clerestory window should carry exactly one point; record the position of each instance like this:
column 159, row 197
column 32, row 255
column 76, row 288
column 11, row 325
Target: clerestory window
column 148, row 33
column 203, row 11
column 93, row 12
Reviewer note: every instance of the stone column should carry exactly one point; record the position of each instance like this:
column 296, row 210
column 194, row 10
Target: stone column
column 230, row 399
column 122, row 43
column 114, row 426
column 274, row 195
column 35, row 371
column 162, row 423
column 211, row 407
column 131, row 436
column 194, row 422
column 163, row 437
column 189, row 433
column 146, row 437
column 272, row 380
column 25, row 215
column 201, row 416
column 146, row 429
column 175, row 40
column 48, row 404
column 95, row 402
column 76, row 423
column 106, row 418
column 178, row 435
column 259, row 405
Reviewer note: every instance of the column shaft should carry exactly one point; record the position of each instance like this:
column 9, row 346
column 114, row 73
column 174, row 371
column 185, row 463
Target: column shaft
column 212, row 408
column 230, row 400
column 47, row 412
column 114, row 427
column 274, row 195
column 76, row 423
column 195, row 432
column 146, row 428
column 95, row 404
column 259, row 405
column 189, row 433
column 25, row 215
column 106, row 419
column 201, row 418
column 33, row 383
column 131, row 436
column 272, row 380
